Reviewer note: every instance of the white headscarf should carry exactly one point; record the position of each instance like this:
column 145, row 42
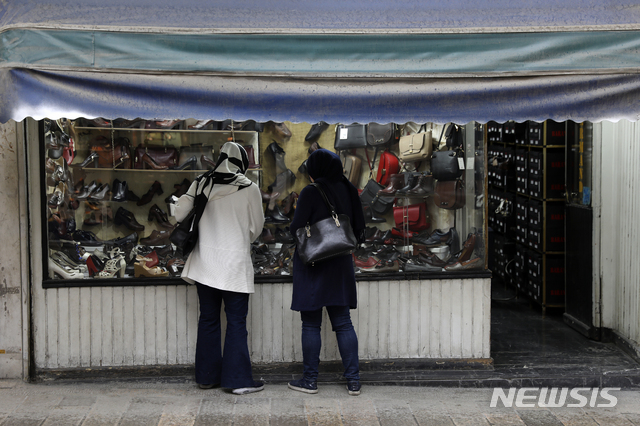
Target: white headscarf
column 227, row 176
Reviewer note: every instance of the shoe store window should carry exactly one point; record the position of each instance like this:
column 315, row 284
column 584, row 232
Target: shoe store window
column 107, row 186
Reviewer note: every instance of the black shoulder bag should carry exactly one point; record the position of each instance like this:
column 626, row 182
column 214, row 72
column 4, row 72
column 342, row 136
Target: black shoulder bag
column 326, row 238
column 185, row 234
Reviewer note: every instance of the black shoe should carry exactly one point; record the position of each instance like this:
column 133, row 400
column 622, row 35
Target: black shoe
column 282, row 182
column 278, row 155
column 100, row 193
column 189, row 164
column 315, row 131
column 119, row 191
column 275, row 215
column 353, row 386
column 156, row 188
column 126, row 218
column 87, row 190
column 304, row 385
column 92, row 157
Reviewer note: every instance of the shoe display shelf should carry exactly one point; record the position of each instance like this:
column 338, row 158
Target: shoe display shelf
column 112, row 203
column 537, row 261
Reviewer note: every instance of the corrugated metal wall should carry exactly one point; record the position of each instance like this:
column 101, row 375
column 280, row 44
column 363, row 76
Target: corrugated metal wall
column 620, row 229
column 129, row 326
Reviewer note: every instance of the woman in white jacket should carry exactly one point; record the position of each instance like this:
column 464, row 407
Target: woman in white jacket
column 221, row 268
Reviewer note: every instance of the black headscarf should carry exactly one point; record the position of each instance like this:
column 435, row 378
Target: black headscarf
column 325, row 168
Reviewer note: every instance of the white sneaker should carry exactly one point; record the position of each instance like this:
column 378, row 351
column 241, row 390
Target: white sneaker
column 257, row 387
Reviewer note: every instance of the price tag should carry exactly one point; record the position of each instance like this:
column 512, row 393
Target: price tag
column 460, row 163
column 343, row 133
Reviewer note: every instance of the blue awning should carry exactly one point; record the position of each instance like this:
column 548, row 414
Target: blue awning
column 311, row 61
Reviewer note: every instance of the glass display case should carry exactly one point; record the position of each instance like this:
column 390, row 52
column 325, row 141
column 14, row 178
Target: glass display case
column 107, row 186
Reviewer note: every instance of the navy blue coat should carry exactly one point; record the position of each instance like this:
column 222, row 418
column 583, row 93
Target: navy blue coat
column 331, row 282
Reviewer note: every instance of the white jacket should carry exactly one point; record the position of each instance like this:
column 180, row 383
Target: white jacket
column 222, row 256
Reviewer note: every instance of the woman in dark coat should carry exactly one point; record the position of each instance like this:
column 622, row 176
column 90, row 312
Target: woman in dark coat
column 330, row 283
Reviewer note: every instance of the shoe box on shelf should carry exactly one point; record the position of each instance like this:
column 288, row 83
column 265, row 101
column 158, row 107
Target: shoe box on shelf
column 509, row 132
column 546, row 278
column 522, row 223
column 501, row 211
column 521, row 268
column 546, row 173
column 546, row 225
column 520, row 133
column 494, row 132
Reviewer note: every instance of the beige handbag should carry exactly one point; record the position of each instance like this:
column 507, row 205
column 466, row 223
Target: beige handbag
column 351, row 166
column 416, row 147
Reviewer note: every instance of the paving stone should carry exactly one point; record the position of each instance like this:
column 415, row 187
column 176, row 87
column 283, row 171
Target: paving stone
column 504, row 419
column 180, row 413
column 394, row 413
column 322, row 411
column 539, row 418
column 107, row 410
column 288, row 412
column 34, row 410
column 358, row 411
column 251, row 411
column 143, row 412
column 469, row 420
column 217, row 411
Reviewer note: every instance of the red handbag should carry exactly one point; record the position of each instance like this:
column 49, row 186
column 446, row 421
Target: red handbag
column 388, row 165
column 415, row 215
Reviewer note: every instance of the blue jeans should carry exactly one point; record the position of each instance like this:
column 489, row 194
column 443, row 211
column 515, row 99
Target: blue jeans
column 312, row 342
column 231, row 368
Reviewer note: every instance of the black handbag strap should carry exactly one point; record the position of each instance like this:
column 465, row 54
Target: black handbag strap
column 332, row 209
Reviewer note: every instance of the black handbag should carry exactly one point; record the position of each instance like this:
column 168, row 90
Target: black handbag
column 381, row 134
column 350, row 136
column 326, row 238
column 369, row 197
column 185, row 235
column 446, row 165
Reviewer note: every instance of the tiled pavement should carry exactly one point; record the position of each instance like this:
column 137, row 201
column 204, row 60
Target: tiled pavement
column 180, row 402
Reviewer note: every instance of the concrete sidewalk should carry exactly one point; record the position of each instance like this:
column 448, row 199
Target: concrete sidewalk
column 179, row 402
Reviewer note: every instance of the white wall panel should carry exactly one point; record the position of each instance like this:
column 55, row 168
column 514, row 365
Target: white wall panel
column 157, row 325
column 619, row 229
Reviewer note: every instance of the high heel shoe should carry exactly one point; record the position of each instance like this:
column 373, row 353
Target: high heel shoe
column 156, row 188
column 181, row 189
column 151, row 163
column 207, row 162
column 86, row 191
column 63, row 271
column 189, row 164
column 113, row 267
column 100, row 193
column 92, row 157
column 142, row 270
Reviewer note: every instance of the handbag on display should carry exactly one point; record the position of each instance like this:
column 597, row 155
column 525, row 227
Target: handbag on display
column 162, row 157
column 350, row 136
column 413, row 216
column 326, row 238
column 369, row 197
column 351, row 167
column 449, row 194
column 108, row 155
column 387, row 166
column 381, row 134
column 416, row 147
column 447, row 165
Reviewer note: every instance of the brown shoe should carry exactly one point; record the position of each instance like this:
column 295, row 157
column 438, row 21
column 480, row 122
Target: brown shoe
column 157, row 238
column 395, row 182
column 160, row 216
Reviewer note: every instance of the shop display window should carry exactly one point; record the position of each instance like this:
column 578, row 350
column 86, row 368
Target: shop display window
column 108, row 186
